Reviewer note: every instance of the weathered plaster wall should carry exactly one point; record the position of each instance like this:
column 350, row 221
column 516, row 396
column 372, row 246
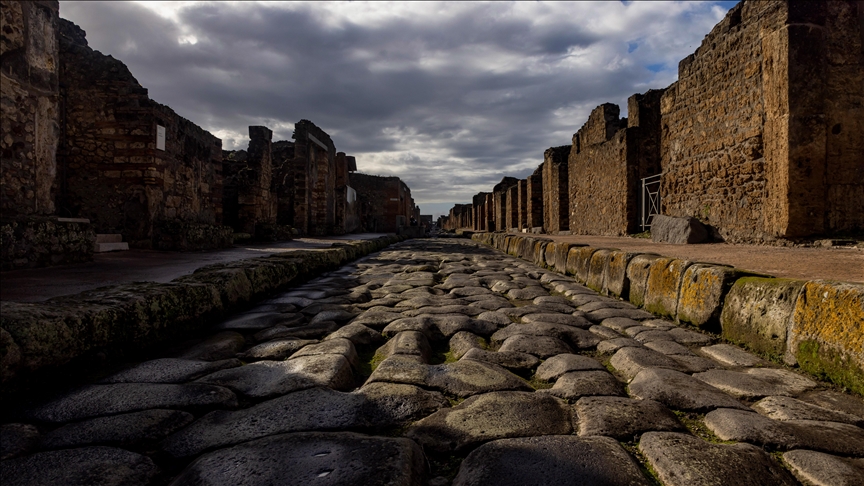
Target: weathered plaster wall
column 29, row 120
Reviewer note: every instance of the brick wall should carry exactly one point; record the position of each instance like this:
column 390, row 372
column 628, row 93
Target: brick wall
column 110, row 169
column 30, row 117
column 556, row 199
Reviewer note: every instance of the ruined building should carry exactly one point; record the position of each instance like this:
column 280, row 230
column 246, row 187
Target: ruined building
column 385, row 203
column 760, row 138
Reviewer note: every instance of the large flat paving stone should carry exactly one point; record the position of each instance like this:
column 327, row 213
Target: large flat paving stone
column 832, row 437
column 566, row 319
column 340, row 346
column 124, row 430
column 630, row 361
column 270, row 378
column 17, row 439
column 495, row 415
column 511, row 360
column 841, row 402
column 684, row 460
column 575, row 337
column 787, row 408
column 612, row 345
column 820, row 469
column 377, row 319
column 412, row 343
column 623, row 418
column 757, row 382
column 464, row 341
column 256, row 321
column 358, row 334
column 275, row 350
column 539, row 346
column 374, row 405
column 680, row 391
column 301, row 459
column 170, row 370
column 729, row 355
column 576, row 384
column 550, row 460
column 463, row 378
column 98, row 400
column 79, row 467
column 220, row 346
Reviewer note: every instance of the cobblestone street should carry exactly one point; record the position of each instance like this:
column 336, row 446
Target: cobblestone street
column 442, row 361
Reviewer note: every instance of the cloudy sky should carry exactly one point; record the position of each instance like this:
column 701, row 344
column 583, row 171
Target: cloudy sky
column 450, row 97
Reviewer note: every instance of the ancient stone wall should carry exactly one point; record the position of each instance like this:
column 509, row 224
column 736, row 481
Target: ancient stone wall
column 534, row 199
column 314, row 170
column 522, row 210
column 29, row 120
column 556, row 199
column 604, row 173
column 248, row 200
column 126, row 162
column 748, row 138
column 385, row 202
column 511, row 208
column 499, row 202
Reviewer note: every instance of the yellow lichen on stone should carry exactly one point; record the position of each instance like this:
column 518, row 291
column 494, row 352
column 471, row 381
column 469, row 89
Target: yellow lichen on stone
column 664, row 279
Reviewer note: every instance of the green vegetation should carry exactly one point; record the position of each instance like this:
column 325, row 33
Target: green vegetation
column 695, row 423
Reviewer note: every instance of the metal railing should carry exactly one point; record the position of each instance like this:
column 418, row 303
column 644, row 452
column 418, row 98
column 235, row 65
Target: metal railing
column 650, row 200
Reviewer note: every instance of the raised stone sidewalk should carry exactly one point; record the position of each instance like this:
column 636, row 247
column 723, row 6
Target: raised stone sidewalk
column 444, row 362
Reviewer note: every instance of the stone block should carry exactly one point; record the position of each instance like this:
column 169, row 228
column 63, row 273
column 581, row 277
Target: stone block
column 615, row 280
column 637, row 275
column 664, row 281
column 597, row 269
column 703, row 290
column 550, row 252
column 540, row 253
column 826, row 337
column 679, row 231
column 578, row 261
column 757, row 312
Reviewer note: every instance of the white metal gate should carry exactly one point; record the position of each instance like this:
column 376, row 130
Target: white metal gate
column 650, row 200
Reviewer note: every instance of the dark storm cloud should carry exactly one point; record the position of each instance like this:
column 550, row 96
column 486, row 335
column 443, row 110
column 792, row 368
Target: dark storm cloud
column 450, row 97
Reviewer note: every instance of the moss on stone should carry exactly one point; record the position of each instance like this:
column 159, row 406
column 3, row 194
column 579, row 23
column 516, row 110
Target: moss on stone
column 830, row 365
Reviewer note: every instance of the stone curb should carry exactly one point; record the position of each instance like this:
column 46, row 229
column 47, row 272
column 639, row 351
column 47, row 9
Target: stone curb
column 42, row 335
column 817, row 325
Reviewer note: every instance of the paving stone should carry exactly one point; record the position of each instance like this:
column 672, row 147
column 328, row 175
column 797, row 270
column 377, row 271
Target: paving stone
column 541, row 346
column 550, row 460
column 423, row 324
column 340, row 346
column 669, row 348
column 576, row 384
column 653, row 336
column 605, row 304
column 658, row 324
column 820, row 469
column 557, row 308
column 841, row 402
column 528, row 293
column 511, row 360
column 686, row 336
column 358, row 334
column 524, row 310
column 603, row 314
column 383, row 302
column 502, row 285
column 553, row 299
column 679, row 391
column 467, row 291
column 320, row 308
column 757, row 382
column 125, row 430
column 787, row 408
column 619, row 323
column 337, row 316
column 575, row 337
column 169, row 370
column 310, row 458
column 491, row 416
column 429, row 301
column 612, row 345
column 500, row 319
column 17, row 439
column 466, row 310
column 462, row 378
column 270, row 378
column 694, row 364
column 684, row 460
column 492, row 304
column 450, row 324
column 580, row 296
column 604, row 332
column 98, row 400
column 743, row 426
column 623, row 418
column 85, row 467
column 387, row 404
column 729, row 355
column 556, row 366
column 636, row 330
column 567, row 320
column 412, row 343
column 377, row 320
column 630, row 360
column 464, row 341
column 256, row 321
column 276, row 350
column 293, row 300
column 309, row 331
column 223, row 345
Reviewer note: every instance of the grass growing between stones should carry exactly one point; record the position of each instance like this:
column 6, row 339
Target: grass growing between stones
column 369, row 360
column 446, row 466
column 538, row 384
column 695, row 423
column 441, row 353
column 645, row 466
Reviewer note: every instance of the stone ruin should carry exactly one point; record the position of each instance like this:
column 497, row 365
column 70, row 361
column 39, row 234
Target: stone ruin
column 760, row 138
column 85, row 151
